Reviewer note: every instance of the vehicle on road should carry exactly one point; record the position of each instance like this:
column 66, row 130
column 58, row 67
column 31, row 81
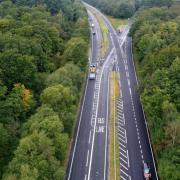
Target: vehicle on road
column 94, row 33
column 92, row 25
column 92, row 72
column 147, row 172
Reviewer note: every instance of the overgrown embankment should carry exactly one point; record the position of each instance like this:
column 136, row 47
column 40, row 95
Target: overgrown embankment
column 157, row 55
column 105, row 39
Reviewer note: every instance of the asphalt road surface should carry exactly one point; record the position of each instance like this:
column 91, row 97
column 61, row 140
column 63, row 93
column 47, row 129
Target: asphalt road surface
column 89, row 154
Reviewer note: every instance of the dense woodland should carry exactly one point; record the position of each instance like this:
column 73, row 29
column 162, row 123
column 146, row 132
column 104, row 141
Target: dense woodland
column 43, row 58
column 115, row 8
column 126, row 8
column 156, row 41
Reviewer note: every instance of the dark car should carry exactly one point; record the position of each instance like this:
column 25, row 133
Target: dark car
column 147, row 172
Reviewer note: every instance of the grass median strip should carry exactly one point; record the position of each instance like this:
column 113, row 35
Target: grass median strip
column 113, row 140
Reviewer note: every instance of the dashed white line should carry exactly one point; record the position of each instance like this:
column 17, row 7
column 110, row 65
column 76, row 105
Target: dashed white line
column 90, row 137
column 128, row 82
column 127, row 73
column 140, row 146
column 87, row 158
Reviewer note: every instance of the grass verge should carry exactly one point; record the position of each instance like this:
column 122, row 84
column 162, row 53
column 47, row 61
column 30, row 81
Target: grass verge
column 117, row 22
column 113, row 140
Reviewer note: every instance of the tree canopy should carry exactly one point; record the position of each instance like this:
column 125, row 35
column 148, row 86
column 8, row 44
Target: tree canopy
column 157, row 53
column 43, row 59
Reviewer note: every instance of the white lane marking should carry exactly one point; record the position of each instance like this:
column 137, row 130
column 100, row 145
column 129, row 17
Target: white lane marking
column 144, row 116
column 94, row 131
column 123, row 136
column 122, row 128
column 125, row 156
column 130, row 91
column 123, row 178
column 124, row 173
column 87, row 158
column 123, row 150
column 127, row 74
column 90, row 137
column 85, row 177
column 120, row 131
column 123, row 160
column 122, row 145
column 128, row 158
column 140, row 146
column 107, row 118
column 123, row 166
column 149, row 142
column 122, row 140
column 122, row 124
column 114, row 135
column 124, row 37
column 72, row 160
column 128, row 82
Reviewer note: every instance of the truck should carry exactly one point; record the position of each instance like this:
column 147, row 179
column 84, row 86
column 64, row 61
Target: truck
column 92, row 72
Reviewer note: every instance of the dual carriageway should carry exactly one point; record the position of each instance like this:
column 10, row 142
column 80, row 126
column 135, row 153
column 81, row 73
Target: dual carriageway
column 89, row 155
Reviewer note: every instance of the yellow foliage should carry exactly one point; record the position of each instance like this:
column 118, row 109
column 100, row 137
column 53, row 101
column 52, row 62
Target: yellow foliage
column 26, row 96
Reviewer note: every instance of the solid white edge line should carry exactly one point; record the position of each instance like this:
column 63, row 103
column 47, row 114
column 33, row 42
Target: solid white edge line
column 72, row 160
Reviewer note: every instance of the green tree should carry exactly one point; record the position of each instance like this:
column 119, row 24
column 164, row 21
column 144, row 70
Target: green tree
column 76, row 52
column 36, row 153
column 15, row 68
